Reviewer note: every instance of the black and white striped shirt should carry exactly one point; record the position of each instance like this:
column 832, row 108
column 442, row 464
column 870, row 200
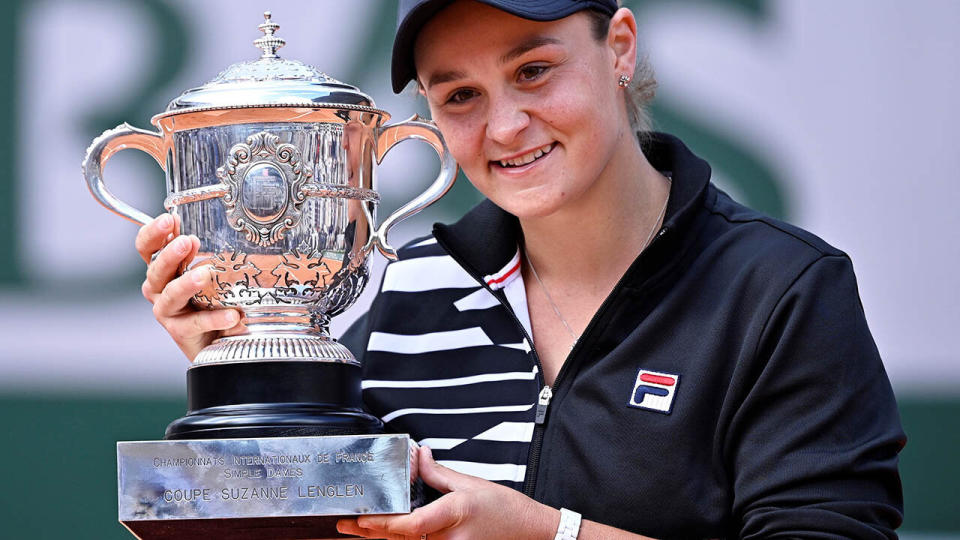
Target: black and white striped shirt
column 455, row 370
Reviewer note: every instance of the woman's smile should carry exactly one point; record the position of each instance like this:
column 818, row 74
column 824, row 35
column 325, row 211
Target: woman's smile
column 523, row 161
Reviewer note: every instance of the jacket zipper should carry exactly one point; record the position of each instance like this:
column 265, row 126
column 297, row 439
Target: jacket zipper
column 546, row 394
column 536, row 442
column 546, row 391
column 543, row 401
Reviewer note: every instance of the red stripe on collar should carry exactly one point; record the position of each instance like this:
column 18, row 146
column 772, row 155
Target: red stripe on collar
column 506, row 274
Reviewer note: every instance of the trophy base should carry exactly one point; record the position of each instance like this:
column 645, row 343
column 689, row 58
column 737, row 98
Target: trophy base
column 262, row 488
column 273, row 399
column 267, row 450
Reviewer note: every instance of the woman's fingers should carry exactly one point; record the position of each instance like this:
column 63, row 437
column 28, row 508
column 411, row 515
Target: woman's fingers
column 164, row 269
column 349, row 526
column 154, row 235
column 193, row 330
column 441, row 478
column 165, row 254
column 473, row 508
column 176, row 293
column 198, row 326
column 445, row 512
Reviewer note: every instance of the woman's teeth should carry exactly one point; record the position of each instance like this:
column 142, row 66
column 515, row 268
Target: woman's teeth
column 527, row 158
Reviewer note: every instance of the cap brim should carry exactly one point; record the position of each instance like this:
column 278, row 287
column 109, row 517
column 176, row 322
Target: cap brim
column 403, row 69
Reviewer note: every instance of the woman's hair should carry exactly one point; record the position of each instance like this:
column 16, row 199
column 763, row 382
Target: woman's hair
column 639, row 93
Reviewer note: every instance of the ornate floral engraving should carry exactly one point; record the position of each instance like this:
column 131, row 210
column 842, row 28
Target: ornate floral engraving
column 236, row 278
column 302, row 277
column 265, row 180
column 302, row 271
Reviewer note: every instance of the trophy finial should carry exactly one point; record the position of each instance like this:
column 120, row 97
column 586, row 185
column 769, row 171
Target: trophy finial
column 269, row 43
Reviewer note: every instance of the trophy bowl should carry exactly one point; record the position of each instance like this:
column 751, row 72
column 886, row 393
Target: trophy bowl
column 272, row 166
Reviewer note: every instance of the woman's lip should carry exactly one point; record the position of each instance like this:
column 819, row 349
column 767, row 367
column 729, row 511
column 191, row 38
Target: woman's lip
column 522, row 168
column 552, row 146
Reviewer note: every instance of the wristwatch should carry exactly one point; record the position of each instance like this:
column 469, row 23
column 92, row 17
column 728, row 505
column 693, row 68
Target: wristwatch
column 569, row 525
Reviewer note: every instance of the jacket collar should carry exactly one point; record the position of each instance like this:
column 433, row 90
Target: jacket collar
column 485, row 240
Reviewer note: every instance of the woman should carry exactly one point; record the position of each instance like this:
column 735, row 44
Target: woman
column 608, row 334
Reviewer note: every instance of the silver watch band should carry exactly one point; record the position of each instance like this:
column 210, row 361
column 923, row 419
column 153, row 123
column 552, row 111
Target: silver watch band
column 569, row 525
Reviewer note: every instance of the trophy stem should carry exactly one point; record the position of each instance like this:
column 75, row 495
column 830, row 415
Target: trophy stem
column 294, row 320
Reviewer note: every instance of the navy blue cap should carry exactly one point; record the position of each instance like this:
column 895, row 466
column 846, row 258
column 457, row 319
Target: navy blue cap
column 413, row 14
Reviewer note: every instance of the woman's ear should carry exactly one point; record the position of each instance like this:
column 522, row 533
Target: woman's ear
column 622, row 39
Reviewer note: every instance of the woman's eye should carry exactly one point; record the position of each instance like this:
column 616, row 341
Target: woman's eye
column 461, row 96
column 529, row 73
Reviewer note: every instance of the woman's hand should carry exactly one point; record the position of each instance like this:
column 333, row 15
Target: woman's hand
column 471, row 508
column 170, row 295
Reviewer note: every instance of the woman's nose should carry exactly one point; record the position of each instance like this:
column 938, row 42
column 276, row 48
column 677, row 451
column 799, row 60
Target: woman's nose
column 506, row 120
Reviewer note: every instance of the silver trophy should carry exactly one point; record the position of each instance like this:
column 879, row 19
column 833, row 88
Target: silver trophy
column 271, row 165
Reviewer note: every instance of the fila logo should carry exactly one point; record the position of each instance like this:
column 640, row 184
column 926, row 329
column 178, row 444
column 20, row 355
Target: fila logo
column 654, row 391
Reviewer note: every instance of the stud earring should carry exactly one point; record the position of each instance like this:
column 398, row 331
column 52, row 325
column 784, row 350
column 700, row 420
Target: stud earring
column 624, row 81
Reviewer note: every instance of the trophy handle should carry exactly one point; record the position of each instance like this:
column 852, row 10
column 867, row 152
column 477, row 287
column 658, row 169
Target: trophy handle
column 103, row 148
column 422, row 129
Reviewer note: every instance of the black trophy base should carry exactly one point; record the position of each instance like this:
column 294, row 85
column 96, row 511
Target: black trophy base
column 273, row 399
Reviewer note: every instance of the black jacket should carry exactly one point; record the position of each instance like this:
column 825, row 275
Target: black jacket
column 727, row 387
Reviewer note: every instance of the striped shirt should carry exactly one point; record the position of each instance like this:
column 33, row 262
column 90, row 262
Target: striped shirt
column 457, row 372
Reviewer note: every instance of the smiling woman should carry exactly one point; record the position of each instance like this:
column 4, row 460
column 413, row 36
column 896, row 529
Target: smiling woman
column 608, row 346
column 537, row 87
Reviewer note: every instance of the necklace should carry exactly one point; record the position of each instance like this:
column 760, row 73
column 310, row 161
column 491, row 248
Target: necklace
column 553, row 304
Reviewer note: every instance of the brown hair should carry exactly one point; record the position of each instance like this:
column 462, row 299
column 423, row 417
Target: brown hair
column 642, row 88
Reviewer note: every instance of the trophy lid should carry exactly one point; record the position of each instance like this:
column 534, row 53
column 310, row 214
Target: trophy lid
column 270, row 81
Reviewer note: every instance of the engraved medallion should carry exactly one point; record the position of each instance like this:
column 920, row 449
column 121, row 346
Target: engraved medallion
column 265, row 181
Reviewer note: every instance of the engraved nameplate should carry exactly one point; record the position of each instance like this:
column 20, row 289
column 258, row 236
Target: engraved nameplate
column 267, row 477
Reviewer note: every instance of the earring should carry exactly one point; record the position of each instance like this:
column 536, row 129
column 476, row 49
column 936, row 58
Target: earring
column 624, row 81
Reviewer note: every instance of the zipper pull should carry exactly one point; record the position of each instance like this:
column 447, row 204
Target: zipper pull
column 543, row 401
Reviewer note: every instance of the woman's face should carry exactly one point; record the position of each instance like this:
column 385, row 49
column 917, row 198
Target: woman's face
column 530, row 110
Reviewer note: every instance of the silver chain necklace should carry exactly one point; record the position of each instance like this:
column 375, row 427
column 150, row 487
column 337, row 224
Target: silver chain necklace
column 553, row 304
